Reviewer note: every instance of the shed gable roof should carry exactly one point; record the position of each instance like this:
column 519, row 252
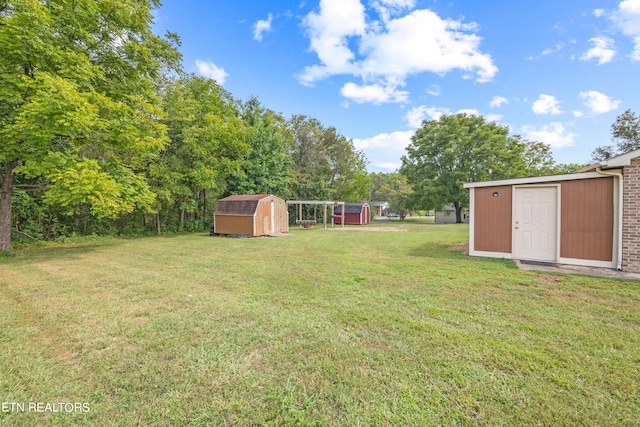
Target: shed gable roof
column 613, row 162
column 241, row 204
column 349, row 208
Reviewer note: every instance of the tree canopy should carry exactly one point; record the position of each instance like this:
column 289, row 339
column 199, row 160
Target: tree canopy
column 266, row 169
column 393, row 189
column 446, row 153
column 207, row 145
column 625, row 134
column 77, row 102
column 326, row 166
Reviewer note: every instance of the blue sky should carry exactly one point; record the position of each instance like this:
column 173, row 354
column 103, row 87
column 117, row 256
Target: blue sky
column 559, row 72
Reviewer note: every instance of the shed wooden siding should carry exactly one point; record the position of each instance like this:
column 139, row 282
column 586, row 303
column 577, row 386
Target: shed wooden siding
column 263, row 217
column 492, row 219
column 234, row 224
column 251, row 215
column 281, row 213
column 587, row 219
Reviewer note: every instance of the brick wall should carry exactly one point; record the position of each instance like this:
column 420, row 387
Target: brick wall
column 631, row 218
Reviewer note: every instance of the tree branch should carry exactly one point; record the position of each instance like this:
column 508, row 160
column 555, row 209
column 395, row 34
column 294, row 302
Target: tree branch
column 24, row 234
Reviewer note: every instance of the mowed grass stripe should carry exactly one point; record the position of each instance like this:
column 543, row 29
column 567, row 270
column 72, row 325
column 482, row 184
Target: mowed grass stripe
column 317, row 328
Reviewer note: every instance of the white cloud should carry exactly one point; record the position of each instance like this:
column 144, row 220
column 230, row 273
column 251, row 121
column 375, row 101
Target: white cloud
column 603, row 50
column 469, row 112
column 557, row 48
column 375, row 93
column 424, row 42
column 382, row 149
column 387, row 8
column 261, row 27
column 546, row 104
column 627, row 19
column 597, row 102
column 578, row 113
column 434, row 90
column 598, row 13
column 636, row 50
column 211, row 71
column 553, row 134
column 498, row 101
column 416, row 115
column 391, row 50
column 329, row 31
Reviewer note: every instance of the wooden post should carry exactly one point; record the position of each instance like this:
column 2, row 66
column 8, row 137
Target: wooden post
column 343, row 215
column 333, row 218
column 325, row 215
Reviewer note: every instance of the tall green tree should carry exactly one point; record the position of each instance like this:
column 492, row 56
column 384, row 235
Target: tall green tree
column 348, row 177
column 310, row 160
column 326, row 165
column 267, row 167
column 625, row 134
column 207, row 145
column 394, row 189
column 446, row 153
column 77, row 103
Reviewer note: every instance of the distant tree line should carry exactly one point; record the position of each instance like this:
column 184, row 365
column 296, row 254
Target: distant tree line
column 101, row 132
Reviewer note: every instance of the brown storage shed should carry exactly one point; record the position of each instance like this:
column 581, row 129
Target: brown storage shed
column 589, row 218
column 251, row 215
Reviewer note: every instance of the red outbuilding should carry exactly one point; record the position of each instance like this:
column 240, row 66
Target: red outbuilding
column 354, row 213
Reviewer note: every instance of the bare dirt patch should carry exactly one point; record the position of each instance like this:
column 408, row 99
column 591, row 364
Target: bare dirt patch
column 370, row 229
column 460, row 247
column 549, row 279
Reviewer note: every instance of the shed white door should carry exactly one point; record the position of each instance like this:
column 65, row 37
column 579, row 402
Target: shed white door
column 535, row 223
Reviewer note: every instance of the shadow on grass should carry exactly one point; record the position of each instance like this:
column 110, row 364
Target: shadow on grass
column 57, row 250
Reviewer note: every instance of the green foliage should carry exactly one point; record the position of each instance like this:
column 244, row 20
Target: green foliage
column 267, row 167
column 77, row 83
column 326, row 164
column 101, row 135
column 207, row 146
column 446, row 153
column 393, row 189
column 625, row 133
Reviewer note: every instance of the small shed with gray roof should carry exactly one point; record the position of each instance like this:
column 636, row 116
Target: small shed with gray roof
column 251, row 215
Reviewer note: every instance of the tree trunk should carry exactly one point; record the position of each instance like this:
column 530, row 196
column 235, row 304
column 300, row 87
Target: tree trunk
column 204, row 206
column 458, row 213
column 6, row 193
column 158, row 230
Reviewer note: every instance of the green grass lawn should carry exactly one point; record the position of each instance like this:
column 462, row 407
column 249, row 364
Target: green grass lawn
column 336, row 327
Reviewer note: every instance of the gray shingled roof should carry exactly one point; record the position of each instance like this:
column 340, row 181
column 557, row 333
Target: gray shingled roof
column 242, row 204
column 349, row 208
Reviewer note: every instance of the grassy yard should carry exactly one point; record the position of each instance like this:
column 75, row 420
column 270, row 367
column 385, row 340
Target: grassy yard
column 338, row 327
